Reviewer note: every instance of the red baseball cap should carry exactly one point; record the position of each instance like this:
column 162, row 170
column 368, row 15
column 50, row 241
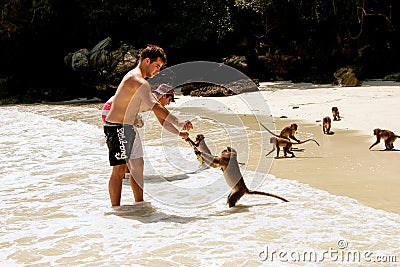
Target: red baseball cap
column 164, row 89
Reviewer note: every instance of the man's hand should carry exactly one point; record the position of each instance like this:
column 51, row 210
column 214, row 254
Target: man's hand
column 187, row 126
column 184, row 135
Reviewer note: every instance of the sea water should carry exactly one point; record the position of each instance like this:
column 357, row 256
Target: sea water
column 55, row 208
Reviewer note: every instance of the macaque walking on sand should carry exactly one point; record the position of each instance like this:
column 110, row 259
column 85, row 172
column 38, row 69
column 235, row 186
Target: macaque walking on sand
column 278, row 142
column 288, row 132
column 335, row 113
column 388, row 136
column 326, row 125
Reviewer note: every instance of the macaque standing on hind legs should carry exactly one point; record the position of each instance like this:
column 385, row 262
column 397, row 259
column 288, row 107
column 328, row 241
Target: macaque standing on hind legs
column 388, row 136
column 227, row 161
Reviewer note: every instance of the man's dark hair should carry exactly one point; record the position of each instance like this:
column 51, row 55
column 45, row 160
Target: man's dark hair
column 153, row 52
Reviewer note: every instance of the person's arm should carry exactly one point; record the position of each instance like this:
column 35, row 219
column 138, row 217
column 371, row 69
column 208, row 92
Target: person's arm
column 162, row 113
column 172, row 129
column 172, row 119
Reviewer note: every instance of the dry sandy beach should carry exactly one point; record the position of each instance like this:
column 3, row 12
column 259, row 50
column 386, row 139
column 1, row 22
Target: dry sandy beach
column 343, row 164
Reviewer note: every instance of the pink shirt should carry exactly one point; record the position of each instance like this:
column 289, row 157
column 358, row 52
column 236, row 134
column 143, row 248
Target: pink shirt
column 104, row 111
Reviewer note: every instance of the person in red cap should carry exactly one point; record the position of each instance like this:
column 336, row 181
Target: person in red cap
column 134, row 95
column 164, row 93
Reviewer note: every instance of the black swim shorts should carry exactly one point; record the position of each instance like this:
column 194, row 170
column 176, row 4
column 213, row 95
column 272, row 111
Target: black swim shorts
column 119, row 139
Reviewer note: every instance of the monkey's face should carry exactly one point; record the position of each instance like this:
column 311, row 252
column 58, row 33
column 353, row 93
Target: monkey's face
column 294, row 126
column 376, row 131
column 225, row 154
column 228, row 153
column 200, row 137
column 326, row 120
column 223, row 159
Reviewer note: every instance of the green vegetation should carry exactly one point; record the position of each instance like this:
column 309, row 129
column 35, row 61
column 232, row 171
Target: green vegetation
column 281, row 39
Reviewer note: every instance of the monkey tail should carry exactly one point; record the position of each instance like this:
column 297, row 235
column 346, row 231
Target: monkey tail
column 305, row 141
column 251, row 192
column 274, row 134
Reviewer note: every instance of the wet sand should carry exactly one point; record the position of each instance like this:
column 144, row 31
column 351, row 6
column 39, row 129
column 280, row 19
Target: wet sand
column 344, row 166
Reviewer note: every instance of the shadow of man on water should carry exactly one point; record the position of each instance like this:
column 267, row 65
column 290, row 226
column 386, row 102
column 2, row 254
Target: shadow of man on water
column 146, row 213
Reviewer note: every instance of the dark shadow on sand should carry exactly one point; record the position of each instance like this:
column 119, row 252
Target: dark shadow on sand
column 283, row 157
column 298, row 149
column 385, row 150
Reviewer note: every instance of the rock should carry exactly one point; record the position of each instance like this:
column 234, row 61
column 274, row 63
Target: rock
column 79, row 60
column 392, row 77
column 100, row 54
column 104, row 66
column 346, row 77
column 208, row 89
column 237, row 62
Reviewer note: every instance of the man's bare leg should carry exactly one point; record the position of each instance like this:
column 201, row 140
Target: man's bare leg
column 136, row 179
column 115, row 184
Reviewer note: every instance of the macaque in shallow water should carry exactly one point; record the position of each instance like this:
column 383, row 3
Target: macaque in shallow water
column 227, row 161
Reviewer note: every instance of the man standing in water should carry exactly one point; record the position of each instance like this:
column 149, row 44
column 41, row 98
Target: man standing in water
column 134, row 95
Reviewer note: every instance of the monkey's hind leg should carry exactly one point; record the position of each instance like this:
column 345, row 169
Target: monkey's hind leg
column 389, row 144
column 287, row 150
column 234, row 197
column 291, row 153
column 277, row 151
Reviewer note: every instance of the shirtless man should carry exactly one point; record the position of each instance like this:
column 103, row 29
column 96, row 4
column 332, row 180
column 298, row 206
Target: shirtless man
column 134, row 95
column 165, row 95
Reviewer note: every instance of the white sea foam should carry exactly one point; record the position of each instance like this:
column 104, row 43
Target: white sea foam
column 55, row 208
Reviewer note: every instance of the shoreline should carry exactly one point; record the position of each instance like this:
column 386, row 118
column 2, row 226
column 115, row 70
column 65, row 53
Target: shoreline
column 343, row 165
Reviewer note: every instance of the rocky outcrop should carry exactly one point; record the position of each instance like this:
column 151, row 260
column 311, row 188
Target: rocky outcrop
column 346, row 77
column 104, row 65
column 208, row 89
column 393, row 77
column 237, row 62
